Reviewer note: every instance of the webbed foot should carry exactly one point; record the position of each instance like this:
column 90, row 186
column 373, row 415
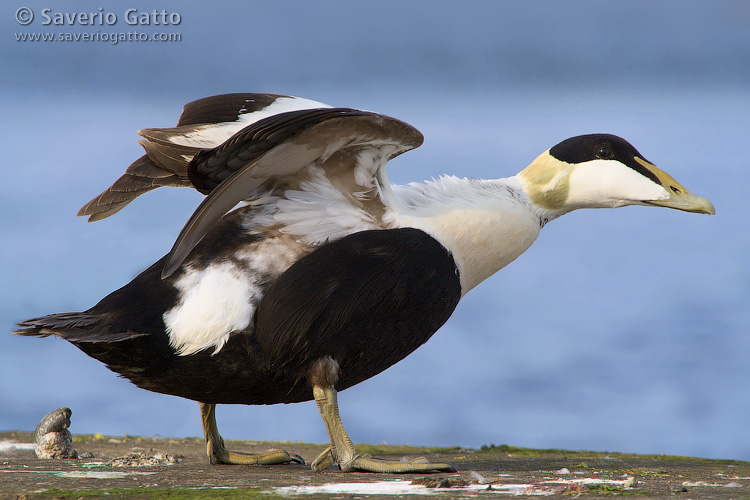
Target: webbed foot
column 218, row 454
column 366, row 463
column 342, row 450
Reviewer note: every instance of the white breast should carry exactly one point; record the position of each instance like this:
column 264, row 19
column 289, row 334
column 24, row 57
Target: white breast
column 485, row 224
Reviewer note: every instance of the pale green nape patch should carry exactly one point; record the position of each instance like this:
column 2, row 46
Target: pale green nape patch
column 547, row 181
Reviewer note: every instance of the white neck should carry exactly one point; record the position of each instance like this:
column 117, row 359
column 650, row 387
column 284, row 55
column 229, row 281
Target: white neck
column 486, row 224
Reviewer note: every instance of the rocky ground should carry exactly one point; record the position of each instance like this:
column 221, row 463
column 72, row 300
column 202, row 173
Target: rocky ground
column 142, row 468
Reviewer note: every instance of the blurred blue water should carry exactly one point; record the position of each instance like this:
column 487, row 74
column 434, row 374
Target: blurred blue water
column 622, row 330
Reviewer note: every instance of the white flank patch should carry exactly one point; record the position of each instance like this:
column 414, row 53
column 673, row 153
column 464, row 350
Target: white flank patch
column 213, row 303
column 6, row 446
column 211, row 135
column 404, row 488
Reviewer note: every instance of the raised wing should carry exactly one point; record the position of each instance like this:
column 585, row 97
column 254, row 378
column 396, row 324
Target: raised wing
column 204, row 124
column 345, row 149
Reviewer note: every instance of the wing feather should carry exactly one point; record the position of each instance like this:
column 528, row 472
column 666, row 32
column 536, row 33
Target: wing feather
column 141, row 176
column 224, row 108
column 290, row 142
column 204, row 124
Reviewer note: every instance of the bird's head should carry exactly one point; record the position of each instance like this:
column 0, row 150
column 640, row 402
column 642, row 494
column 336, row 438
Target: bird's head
column 603, row 171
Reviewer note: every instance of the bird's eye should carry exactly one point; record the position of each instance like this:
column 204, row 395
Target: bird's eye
column 604, row 153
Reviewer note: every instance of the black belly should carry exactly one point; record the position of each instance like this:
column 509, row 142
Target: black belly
column 366, row 300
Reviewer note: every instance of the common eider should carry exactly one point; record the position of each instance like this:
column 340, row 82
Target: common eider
column 304, row 271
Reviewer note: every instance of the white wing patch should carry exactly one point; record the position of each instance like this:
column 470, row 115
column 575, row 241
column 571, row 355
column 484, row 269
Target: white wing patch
column 213, row 303
column 318, row 212
column 211, row 135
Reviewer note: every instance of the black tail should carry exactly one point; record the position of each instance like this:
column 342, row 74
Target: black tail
column 74, row 327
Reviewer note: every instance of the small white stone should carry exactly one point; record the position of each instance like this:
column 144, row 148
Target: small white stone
column 630, row 482
column 478, row 477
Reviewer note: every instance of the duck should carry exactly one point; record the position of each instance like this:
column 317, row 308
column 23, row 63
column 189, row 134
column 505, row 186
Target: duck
column 304, row 271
